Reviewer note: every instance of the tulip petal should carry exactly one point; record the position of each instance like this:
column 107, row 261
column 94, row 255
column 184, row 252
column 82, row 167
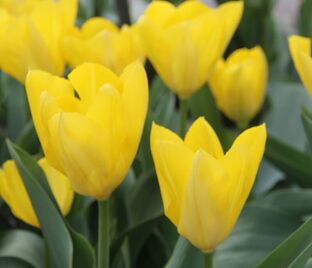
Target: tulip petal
column 14, row 194
column 159, row 11
column 60, row 186
column 202, row 136
column 231, row 12
column 95, row 25
column 204, row 216
column 172, row 161
column 300, row 49
column 88, row 78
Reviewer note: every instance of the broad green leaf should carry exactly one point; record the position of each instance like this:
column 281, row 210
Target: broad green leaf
column 294, row 252
column 306, row 118
column 17, row 108
column 185, row 255
column 22, row 245
column 52, row 224
column 14, row 263
column 296, row 164
column 305, row 19
column 258, row 231
column 283, row 116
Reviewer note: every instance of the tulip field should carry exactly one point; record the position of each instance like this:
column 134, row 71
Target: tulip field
column 154, row 133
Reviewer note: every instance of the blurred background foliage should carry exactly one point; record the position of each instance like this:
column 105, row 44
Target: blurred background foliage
column 141, row 236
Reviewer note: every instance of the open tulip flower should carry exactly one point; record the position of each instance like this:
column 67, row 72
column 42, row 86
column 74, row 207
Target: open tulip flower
column 300, row 50
column 203, row 190
column 100, row 41
column 31, row 35
column 13, row 191
column 239, row 84
column 183, row 43
column 90, row 125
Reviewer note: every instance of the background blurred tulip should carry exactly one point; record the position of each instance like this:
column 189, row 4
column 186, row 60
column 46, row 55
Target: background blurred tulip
column 92, row 138
column 100, row 41
column 31, row 37
column 204, row 190
column 183, row 43
column 239, row 84
column 14, row 193
column 300, row 50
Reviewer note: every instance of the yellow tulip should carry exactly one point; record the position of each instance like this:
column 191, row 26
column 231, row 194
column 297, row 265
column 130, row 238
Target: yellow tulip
column 300, row 50
column 32, row 38
column 239, row 84
column 100, row 41
column 93, row 137
column 203, row 190
column 183, row 43
column 14, row 193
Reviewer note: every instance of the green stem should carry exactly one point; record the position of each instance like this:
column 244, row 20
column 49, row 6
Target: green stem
column 183, row 116
column 208, row 260
column 103, row 235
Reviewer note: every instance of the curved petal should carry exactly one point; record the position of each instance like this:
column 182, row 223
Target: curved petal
column 88, row 78
column 86, row 163
column 60, row 186
column 204, row 206
column 158, row 11
column 202, row 136
column 300, row 49
column 97, row 24
column 14, row 194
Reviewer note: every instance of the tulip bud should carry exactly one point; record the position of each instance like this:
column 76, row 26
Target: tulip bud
column 239, row 84
column 100, row 41
column 300, row 50
column 183, row 43
column 90, row 125
column 204, row 190
column 31, row 36
column 15, row 195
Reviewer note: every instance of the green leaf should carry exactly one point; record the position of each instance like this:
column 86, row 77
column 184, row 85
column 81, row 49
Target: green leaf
column 283, row 118
column 52, row 224
column 294, row 163
column 185, row 255
column 306, row 118
column 305, row 19
column 17, row 108
column 294, row 252
column 258, row 231
column 22, row 245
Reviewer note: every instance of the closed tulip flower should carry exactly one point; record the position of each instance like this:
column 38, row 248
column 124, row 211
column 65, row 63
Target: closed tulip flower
column 90, row 125
column 300, row 50
column 14, row 193
column 100, row 41
column 31, row 36
column 183, row 43
column 239, row 84
column 203, row 190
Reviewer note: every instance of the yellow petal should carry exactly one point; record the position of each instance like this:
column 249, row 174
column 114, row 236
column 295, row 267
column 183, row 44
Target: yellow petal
column 167, row 149
column 88, row 78
column 86, row 164
column 300, row 49
column 43, row 90
column 202, row 136
column 204, row 208
column 231, row 13
column 60, row 186
column 14, row 194
column 97, row 24
column 159, row 11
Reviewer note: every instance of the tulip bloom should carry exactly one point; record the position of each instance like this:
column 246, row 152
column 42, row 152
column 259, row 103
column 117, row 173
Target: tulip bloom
column 300, row 50
column 203, row 190
column 239, row 84
column 13, row 191
column 100, row 41
column 31, row 35
column 90, row 125
column 183, row 43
